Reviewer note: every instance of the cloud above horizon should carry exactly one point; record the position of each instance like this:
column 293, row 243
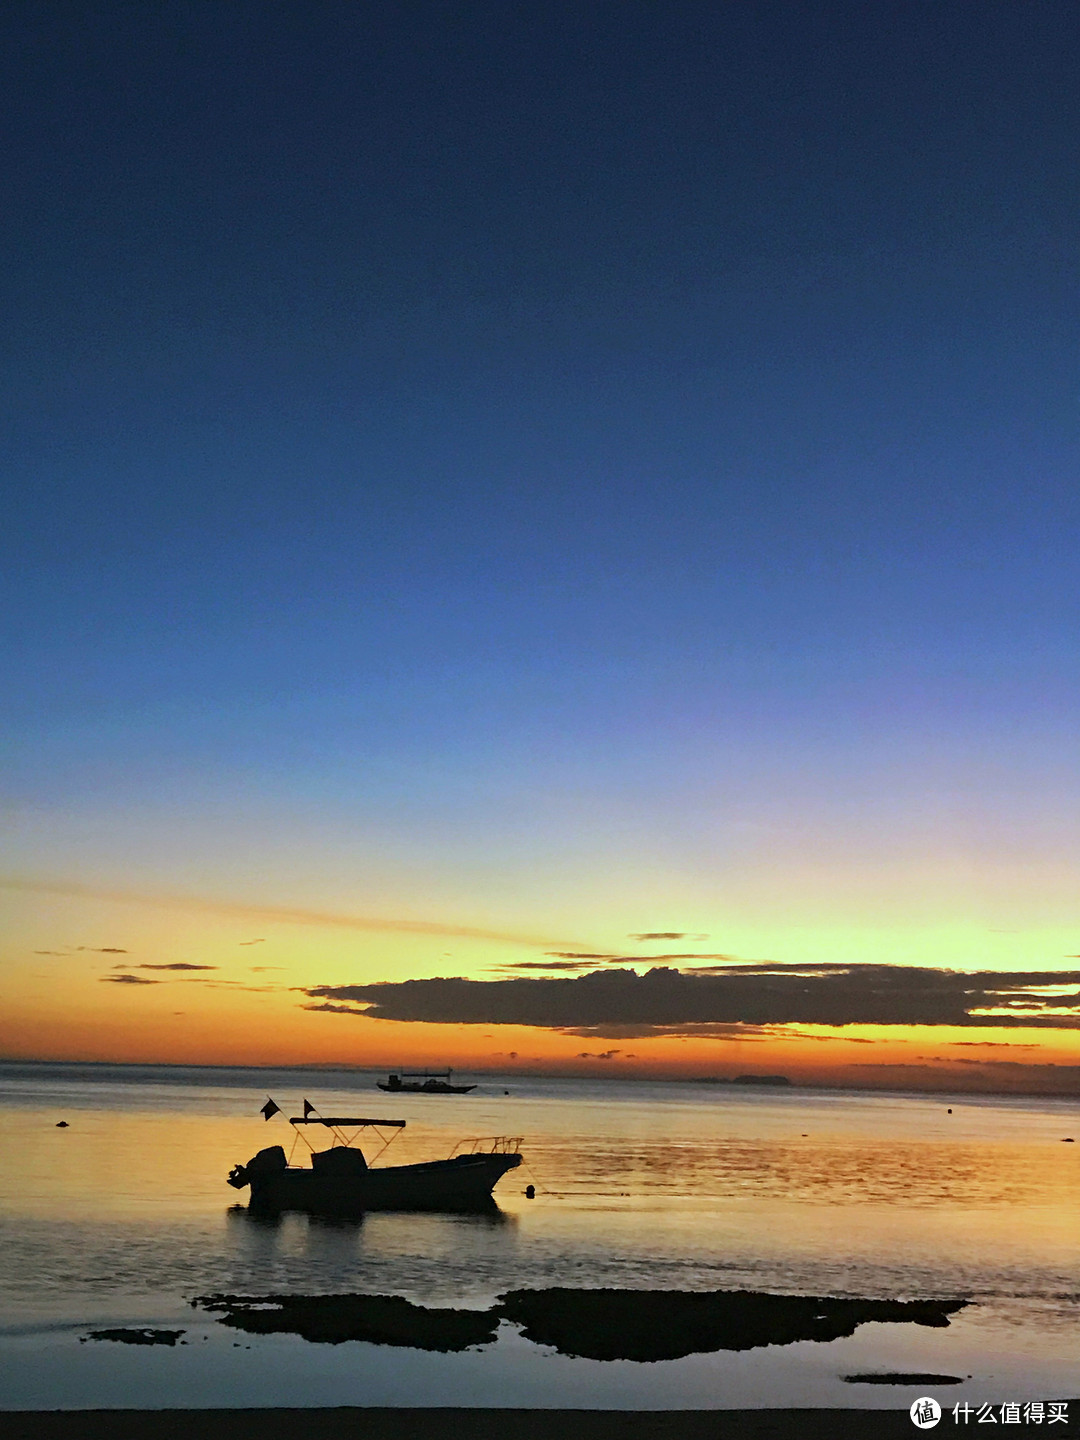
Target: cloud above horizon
column 558, row 965
column 621, row 1003
column 177, row 965
column 89, row 949
column 666, row 935
column 286, row 914
column 596, row 960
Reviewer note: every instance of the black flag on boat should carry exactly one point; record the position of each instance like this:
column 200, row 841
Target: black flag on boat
column 270, row 1109
column 309, row 1109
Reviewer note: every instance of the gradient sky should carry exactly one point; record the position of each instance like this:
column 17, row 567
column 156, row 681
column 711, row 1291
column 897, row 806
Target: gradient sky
column 538, row 475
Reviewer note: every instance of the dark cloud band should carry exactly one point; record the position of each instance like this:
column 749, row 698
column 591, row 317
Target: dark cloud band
column 750, row 994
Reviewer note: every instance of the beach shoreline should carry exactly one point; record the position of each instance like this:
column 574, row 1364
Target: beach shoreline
column 347, row 1423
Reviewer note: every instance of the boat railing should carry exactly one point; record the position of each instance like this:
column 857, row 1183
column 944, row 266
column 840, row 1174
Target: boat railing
column 488, row 1145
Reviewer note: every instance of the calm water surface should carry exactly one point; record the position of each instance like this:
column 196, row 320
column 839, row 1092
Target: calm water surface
column 124, row 1217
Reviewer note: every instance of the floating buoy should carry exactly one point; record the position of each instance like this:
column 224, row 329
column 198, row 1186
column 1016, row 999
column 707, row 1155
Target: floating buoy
column 61, row 1125
column 949, row 1111
column 530, row 1192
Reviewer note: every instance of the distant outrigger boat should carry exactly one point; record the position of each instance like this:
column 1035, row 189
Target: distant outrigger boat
column 423, row 1082
column 340, row 1180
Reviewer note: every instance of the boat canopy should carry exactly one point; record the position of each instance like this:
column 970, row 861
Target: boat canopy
column 342, row 1120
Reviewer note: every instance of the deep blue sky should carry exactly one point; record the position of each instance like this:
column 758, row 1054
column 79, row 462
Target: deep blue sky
column 401, row 391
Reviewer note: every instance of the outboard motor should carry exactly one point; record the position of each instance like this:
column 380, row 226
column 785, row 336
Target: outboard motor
column 266, row 1162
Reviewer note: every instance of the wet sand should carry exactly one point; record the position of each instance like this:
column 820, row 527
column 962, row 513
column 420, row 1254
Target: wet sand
column 364, row 1424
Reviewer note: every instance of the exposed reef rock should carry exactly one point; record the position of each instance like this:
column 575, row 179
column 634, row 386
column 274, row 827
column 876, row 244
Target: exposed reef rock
column 137, row 1337
column 644, row 1325
column 904, row 1378
column 378, row 1319
column 666, row 1325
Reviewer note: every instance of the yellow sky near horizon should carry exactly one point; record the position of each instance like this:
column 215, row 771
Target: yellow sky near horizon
column 245, row 1007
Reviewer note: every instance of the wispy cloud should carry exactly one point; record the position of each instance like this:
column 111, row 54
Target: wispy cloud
column 666, row 935
column 128, row 980
column 560, row 965
column 610, row 958
column 176, row 965
column 259, row 940
column 689, row 1031
column 88, row 949
column 285, row 914
column 994, row 1044
column 714, row 1030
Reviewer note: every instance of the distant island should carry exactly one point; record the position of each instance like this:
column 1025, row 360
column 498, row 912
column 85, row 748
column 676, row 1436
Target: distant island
column 742, row 1080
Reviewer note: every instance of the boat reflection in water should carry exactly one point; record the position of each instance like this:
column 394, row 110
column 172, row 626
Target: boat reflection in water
column 242, row 1219
column 340, row 1180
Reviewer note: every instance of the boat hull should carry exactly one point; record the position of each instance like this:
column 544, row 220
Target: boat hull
column 463, row 1183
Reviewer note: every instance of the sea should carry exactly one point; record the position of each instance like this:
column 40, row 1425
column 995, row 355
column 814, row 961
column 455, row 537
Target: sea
column 116, row 1227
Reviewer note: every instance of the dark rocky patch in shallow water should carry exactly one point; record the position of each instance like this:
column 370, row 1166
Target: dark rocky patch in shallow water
column 378, row 1319
column 136, row 1337
column 666, row 1324
column 899, row 1378
column 644, row 1325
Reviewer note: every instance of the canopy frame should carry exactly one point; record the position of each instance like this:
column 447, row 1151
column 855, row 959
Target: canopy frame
column 339, row 1125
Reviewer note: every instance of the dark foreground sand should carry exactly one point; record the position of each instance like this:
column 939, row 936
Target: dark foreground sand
column 363, row 1424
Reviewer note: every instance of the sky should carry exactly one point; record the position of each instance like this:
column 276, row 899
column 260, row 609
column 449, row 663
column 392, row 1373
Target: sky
column 507, row 494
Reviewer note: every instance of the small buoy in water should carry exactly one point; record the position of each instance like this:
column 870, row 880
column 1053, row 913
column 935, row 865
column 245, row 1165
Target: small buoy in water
column 61, row 1125
column 530, row 1192
column 506, row 1092
column 949, row 1111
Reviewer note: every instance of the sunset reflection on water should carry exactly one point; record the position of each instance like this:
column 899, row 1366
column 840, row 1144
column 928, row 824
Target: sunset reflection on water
column 645, row 1186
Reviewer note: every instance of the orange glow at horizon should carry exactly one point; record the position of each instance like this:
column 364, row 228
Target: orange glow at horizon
column 206, row 987
column 226, row 1027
